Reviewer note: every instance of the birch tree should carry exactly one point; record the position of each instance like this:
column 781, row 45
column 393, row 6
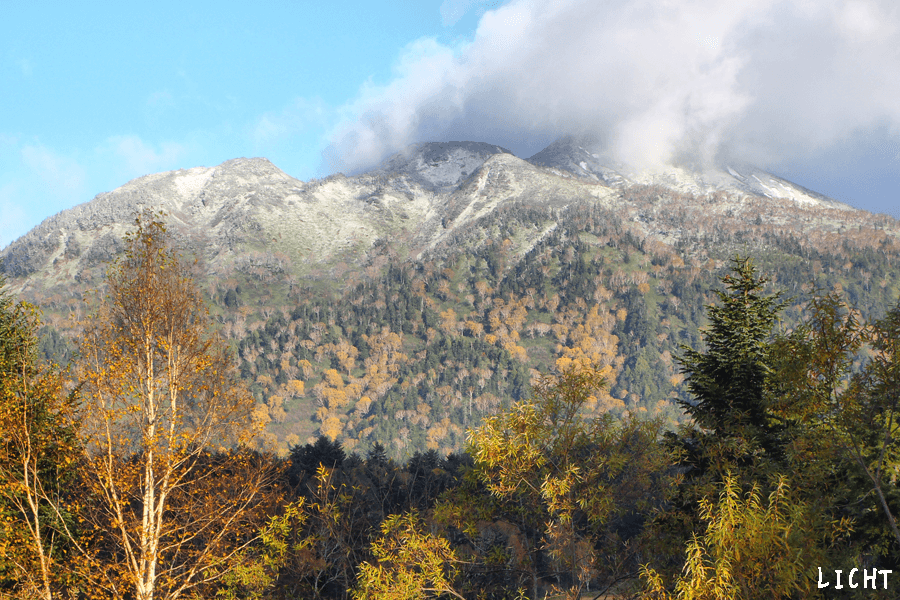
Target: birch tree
column 170, row 502
column 36, row 443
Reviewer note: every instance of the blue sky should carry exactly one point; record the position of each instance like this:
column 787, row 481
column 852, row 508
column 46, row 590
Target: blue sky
column 95, row 94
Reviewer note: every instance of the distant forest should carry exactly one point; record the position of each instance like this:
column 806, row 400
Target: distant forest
column 415, row 356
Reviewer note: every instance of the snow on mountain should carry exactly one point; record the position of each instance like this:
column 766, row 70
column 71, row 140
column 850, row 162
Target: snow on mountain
column 246, row 214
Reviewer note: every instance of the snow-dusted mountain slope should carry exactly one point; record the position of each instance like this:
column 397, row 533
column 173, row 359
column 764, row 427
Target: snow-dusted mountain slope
column 246, row 214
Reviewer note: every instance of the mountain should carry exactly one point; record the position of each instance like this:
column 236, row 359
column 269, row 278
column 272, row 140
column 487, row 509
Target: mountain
column 568, row 156
column 246, row 214
column 403, row 304
column 238, row 214
column 440, row 166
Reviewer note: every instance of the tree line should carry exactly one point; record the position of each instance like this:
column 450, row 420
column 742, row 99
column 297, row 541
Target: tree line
column 138, row 472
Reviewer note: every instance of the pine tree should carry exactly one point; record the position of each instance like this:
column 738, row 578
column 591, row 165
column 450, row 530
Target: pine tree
column 734, row 429
column 733, row 425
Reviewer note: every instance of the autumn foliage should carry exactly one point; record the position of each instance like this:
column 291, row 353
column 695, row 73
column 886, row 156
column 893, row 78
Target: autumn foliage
column 141, row 472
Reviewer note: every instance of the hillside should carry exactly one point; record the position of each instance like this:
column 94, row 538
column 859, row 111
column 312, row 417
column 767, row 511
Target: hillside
column 416, row 356
column 403, row 304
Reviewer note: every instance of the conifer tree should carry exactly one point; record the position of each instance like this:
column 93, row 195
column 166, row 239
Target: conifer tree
column 733, row 423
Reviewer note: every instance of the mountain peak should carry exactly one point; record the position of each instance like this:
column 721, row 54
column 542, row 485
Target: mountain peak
column 574, row 156
column 258, row 166
column 440, row 166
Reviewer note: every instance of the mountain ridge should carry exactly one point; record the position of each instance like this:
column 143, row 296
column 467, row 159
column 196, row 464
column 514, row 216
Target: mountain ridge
column 242, row 213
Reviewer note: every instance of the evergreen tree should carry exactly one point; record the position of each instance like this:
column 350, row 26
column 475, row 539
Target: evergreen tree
column 306, row 460
column 733, row 425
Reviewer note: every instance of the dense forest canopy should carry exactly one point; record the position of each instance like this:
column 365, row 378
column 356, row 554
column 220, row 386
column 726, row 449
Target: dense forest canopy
column 414, row 357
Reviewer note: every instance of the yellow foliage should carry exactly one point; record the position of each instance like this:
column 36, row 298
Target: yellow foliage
column 751, row 549
column 334, row 399
column 435, row 436
column 563, row 363
column 516, row 351
column 448, row 321
column 363, row 405
column 34, row 417
column 276, row 408
column 517, row 318
column 260, row 415
column 609, row 404
column 547, row 457
column 353, row 390
column 306, row 366
column 334, row 379
column 159, row 393
column 494, row 320
column 474, row 328
column 410, row 564
column 332, row 427
column 296, row 387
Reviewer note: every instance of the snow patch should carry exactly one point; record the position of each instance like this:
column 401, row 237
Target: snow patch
column 193, row 180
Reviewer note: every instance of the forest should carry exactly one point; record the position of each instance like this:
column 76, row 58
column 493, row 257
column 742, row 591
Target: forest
column 478, row 435
column 414, row 357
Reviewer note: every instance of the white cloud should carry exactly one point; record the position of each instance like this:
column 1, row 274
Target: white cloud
column 48, row 180
column 454, row 10
column 129, row 156
column 758, row 80
column 387, row 117
column 38, row 181
column 13, row 220
column 294, row 119
column 60, row 175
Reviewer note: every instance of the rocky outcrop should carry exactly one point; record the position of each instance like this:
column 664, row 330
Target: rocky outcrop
column 568, row 156
column 440, row 166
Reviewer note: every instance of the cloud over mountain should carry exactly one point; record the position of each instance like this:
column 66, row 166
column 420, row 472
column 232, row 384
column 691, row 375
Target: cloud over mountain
column 763, row 81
